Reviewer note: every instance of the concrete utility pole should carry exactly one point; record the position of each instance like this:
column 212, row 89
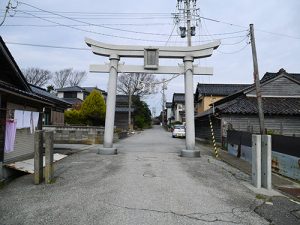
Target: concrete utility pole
column 257, row 82
column 189, row 90
column 164, row 87
column 129, row 104
column 188, row 22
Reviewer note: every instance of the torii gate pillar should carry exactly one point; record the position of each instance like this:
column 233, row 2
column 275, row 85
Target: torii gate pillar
column 108, row 148
column 189, row 110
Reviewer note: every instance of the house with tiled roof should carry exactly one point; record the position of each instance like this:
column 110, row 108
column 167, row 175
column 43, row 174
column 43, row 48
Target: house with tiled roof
column 207, row 94
column 53, row 115
column 281, row 105
column 76, row 94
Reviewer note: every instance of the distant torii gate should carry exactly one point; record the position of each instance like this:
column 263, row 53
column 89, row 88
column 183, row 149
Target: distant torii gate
column 151, row 57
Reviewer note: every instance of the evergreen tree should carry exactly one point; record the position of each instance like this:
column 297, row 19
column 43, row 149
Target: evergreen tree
column 93, row 108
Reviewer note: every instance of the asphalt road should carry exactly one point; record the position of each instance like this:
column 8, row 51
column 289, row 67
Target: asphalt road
column 146, row 183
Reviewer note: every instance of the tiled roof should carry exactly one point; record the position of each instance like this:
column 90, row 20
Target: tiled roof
column 21, row 93
column 179, row 97
column 219, row 89
column 78, row 89
column 70, row 89
column 269, row 76
column 123, row 99
column 90, row 89
column 72, row 101
column 45, row 94
column 168, row 104
column 271, row 106
column 124, row 109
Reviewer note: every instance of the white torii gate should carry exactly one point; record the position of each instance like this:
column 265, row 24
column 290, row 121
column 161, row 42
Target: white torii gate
column 151, row 57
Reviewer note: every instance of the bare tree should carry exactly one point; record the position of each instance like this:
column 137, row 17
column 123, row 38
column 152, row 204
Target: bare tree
column 37, row 76
column 68, row 77
column 76, row 77
column 139, row 84
column 60, row 78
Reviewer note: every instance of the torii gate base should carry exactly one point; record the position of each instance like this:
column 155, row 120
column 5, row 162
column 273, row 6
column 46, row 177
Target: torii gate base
column 188, row 54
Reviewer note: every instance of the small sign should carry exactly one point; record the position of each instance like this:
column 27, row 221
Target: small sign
column 151, row 57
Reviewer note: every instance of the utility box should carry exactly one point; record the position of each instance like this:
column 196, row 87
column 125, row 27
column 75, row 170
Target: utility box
column 151, row 58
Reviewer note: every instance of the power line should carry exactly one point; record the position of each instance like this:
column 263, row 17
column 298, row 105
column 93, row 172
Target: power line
column 104, row 34
column 84, row 25
column 57, row 13
column 234, row 52
column 105, row 13
column 46, row 46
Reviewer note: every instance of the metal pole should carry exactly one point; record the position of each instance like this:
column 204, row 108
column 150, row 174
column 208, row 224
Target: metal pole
column 110, row 107
column 257, row 82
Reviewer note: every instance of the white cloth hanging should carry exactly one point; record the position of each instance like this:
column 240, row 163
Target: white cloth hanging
column 34, row 119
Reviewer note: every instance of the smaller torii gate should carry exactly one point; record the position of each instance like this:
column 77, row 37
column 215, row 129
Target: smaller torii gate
column 151, row 57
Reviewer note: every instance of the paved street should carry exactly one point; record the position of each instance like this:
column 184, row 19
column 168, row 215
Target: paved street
column 146, row 183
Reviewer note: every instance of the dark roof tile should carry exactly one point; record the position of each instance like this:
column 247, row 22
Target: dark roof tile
column 271, row 106
column 219, row 89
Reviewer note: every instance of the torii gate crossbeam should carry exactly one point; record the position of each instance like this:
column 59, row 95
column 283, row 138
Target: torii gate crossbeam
column 188, row 54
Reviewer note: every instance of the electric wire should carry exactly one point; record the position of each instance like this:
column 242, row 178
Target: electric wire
column 146, row 13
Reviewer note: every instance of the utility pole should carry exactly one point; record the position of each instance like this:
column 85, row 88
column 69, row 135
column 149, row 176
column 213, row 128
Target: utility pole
column 8, row 7
column 129, row 104
column 257, row 82
column 188, row 22
column 164, row 87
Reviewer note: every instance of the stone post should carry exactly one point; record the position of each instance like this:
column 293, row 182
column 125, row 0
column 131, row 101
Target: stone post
column 48, row 156
column 256, row 160
column 108, row 148
column 38, row 157
column 266, row 161
column 189, row 110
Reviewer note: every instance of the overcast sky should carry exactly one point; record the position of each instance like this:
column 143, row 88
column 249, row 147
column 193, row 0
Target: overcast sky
column 232, row 62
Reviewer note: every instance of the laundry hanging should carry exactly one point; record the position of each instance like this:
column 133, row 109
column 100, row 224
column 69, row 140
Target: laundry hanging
column 34, row 119
column 10, row 136
column 26, row 119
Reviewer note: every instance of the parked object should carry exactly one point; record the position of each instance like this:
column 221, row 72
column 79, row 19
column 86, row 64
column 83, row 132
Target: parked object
column 179, row 131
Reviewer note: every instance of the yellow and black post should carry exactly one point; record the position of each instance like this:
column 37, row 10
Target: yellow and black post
column 213, row 138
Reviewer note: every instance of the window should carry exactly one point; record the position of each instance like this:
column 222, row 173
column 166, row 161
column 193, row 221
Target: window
column 70, row 94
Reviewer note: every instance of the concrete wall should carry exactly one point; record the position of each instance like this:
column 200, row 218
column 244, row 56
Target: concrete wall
column 80, row 95
column 77, row 134
column 60, row 94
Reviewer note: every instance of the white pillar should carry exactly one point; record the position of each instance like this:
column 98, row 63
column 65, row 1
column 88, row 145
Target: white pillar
column 266, row 162
column 110, row 107
column 189, row 110
column 256, row 160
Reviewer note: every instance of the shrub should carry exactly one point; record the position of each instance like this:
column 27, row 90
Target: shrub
column 74, row 117
column 93, row 109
